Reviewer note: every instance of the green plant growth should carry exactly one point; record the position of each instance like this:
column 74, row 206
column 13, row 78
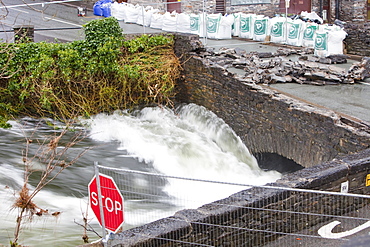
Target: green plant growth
column 102, row 73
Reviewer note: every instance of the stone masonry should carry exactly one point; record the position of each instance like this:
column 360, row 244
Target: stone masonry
column 332, row 147
column 268, row 121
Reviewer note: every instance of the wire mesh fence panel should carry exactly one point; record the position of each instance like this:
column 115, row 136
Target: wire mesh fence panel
column 163, row 210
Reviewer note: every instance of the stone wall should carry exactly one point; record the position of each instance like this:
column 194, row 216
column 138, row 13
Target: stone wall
column 260, row 9
column 357, row 41
column 157, row 4
column 353, row 11
column 266, row 120
column 219, row 223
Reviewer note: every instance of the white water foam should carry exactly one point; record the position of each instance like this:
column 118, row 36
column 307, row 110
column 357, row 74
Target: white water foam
column 191, row 142
column 44, row 230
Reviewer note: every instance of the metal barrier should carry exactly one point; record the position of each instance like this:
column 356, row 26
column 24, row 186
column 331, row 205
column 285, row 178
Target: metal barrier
column 247, row 216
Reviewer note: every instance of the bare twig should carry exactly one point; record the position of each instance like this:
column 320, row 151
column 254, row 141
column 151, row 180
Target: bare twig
column 87, row 227
column 52, row 152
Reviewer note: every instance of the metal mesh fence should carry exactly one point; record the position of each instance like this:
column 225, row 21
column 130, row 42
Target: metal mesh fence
column 163, row 210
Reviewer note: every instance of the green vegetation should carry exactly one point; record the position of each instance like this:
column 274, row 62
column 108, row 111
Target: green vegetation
column 102, row 73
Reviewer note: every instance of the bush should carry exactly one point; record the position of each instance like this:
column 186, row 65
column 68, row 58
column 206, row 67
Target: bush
column 104, row 72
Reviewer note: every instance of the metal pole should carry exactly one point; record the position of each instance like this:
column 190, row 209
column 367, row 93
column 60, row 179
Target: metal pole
column 100, row 199
column 204, row 24
column 143, row 11
column 286, row 20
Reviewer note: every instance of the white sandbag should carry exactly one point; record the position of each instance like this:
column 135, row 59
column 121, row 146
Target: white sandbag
column 311, row 16
column 329, row 42
column 118, row 10
column 235, row 28
column 170, row 22
column 213, row 25
column 277, row 29
column 132, row 13
column 246, row 26
column 157, row 20
column 145, row 15
column 295, row 32
column 335, row 42
column 329, row 28
column 194, row 23
column 224, row 30
column 183, row 23
column 260, row 28
column 308, row 39
column 321, row 43
column 197, row 24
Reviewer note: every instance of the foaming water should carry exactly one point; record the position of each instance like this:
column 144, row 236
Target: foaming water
column 189, row 142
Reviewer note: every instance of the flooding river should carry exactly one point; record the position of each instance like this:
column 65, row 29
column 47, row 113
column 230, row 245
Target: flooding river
column 189, row 142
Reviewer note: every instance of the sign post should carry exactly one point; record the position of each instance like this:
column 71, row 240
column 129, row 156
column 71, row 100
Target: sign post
column 106, row 201
column 287, row 5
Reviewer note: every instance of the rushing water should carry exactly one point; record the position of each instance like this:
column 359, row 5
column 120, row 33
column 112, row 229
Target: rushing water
column 190, row 142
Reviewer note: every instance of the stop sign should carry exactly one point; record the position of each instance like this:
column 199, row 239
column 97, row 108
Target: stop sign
column 112, row 201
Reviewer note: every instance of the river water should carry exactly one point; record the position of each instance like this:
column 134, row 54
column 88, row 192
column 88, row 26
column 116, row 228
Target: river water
column 188, row 142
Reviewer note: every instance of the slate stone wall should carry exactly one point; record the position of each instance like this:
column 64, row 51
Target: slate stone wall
column 357, row 41
column 237, row 211
column 266, row 120
column 266, row 9
column 353, row 11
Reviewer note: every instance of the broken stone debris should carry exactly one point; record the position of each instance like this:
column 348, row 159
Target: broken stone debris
column 268, row 67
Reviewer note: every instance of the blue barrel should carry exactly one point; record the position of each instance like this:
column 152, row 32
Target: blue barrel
column 106, row 7
column 98, row 9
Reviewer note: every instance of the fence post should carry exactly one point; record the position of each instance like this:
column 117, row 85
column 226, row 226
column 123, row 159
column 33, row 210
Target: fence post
column 96, row 168
column 204, row 17
column 143, row 12
column 287, row 3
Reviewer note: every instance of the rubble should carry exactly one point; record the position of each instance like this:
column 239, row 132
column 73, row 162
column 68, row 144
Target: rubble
column 360, row 71
column 268, row 67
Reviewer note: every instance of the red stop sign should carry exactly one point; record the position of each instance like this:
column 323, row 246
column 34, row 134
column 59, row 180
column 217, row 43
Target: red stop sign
column 112, row 201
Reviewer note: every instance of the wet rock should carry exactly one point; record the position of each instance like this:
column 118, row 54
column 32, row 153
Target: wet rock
column 265, row 65
column 348, row 81
column 224, row 50
column 324, row 60
column 241, row 61
column 210, row 50
column 318, row 75
column 278, row 79
column 265, row 54
column 335, row 78
column 233, row 56
column 286, row 52
column 333, row 59
column 299, row 80
column 338, row 59
column 222, row 60
column 360, row 71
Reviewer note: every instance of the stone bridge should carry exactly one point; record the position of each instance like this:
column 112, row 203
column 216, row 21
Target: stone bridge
column 331, row 147
column 266, row 120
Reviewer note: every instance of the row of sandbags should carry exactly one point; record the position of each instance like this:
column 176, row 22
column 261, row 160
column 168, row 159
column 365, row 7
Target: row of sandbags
column 326, row 40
